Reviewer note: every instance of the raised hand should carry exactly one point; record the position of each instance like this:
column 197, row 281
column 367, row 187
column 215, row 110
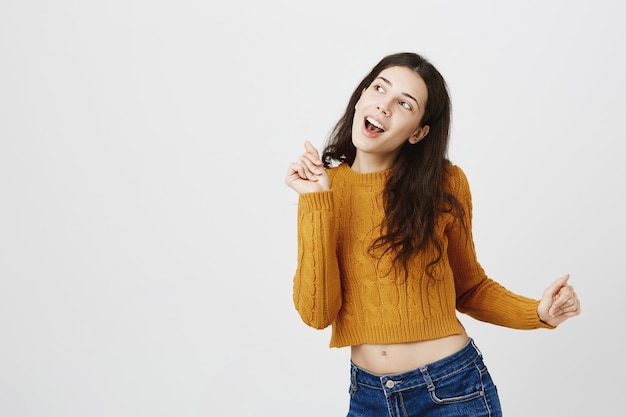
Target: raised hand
column 307, row 174
column 558, row 303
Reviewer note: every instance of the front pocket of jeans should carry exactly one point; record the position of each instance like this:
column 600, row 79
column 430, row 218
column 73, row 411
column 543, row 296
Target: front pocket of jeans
column 463, row 385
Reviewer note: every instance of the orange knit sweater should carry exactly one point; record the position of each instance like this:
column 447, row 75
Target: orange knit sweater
column 338, row 282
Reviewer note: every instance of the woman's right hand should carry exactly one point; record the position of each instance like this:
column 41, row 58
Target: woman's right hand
column 307, row 174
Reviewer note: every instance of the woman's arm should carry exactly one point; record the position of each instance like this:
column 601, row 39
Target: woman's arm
column 316, row 285
column 484, row 299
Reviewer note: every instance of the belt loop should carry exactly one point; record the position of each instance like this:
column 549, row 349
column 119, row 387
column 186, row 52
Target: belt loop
column 353, row 382
column 476, row 348
column 427, row 378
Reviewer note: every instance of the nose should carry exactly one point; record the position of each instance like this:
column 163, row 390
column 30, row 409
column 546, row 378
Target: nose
column 382, row 107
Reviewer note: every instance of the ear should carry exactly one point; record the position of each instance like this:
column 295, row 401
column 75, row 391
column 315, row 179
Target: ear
column 419, row 134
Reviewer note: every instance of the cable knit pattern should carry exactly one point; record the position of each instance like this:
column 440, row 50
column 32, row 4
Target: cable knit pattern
column 339, row 282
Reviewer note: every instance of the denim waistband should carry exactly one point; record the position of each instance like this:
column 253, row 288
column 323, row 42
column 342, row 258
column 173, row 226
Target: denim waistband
column 420, row 376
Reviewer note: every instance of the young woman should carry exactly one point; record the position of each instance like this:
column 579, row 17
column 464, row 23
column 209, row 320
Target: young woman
column 385, row 252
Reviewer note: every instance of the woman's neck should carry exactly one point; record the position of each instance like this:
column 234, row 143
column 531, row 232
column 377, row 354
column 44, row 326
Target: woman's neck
column 367, row 163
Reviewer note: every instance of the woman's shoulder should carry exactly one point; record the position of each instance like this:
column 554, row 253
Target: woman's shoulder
column 332, row 171
column 337, row 170
column 455, row 179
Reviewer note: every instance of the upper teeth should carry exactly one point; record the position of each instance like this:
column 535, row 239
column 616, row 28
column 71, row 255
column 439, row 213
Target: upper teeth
column 375, row 123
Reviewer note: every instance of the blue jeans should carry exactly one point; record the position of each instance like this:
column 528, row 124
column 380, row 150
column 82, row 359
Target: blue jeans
column 457, row 385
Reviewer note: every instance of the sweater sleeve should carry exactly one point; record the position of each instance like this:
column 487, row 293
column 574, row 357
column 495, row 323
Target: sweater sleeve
column 478, row 295
column 316, row 286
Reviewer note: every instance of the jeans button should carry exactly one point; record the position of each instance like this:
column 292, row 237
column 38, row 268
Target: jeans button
column 390, row 383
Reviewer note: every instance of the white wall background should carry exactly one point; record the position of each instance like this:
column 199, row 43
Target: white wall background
column 147, row 240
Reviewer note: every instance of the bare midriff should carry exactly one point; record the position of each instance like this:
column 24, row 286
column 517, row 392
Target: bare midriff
column 401, row 357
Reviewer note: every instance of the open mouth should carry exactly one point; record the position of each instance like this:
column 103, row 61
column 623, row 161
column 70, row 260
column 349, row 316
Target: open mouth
column 372, row 125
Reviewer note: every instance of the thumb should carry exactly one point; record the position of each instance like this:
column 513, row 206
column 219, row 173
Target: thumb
column 308, row 146
column 558, row 284
column 553, row 291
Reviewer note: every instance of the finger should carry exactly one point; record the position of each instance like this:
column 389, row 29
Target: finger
column 560, row 282
column 310, row 149
column 564, row 293
column 553, row 290
column 560, row 302
column 311, row 171
column 310, row 168
column 300, row 171
column 567, row 303
column 569, row 312
column 572, row 302
column 307, row 173
column 560, row 293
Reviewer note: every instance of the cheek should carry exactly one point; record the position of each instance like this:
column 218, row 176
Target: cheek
column 356, row 117
column 359, row 103
column 356, row 124
column 412, row 125
column 420, row 119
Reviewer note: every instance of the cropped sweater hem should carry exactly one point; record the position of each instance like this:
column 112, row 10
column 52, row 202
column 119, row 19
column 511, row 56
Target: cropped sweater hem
column 433, row 328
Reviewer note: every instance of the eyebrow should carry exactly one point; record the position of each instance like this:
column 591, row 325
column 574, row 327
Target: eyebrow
column 404, row 94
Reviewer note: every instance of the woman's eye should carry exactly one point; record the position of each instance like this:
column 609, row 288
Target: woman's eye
column 405, row 105
column 379, row 89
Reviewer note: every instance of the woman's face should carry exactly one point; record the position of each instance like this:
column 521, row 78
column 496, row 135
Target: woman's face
column 388, row 114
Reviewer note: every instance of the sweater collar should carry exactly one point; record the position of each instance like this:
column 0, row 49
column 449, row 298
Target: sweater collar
column 357, row 178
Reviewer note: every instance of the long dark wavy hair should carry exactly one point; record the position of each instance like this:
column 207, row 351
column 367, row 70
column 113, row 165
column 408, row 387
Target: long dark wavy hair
column 414, row 194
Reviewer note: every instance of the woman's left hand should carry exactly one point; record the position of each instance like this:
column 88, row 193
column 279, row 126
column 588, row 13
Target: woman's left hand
column 558, row 303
